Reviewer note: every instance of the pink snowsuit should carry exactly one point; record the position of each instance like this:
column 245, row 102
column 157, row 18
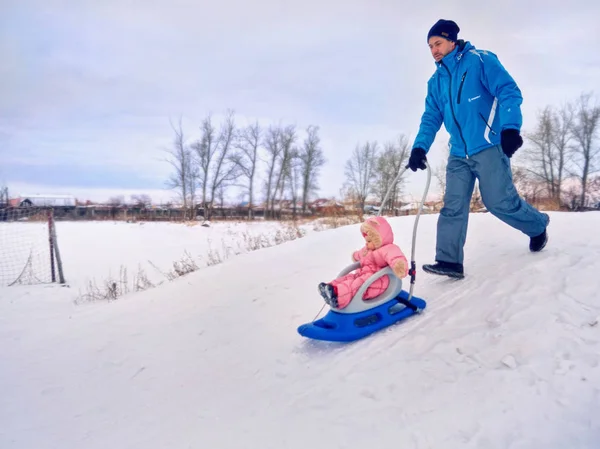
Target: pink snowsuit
column 379, row 235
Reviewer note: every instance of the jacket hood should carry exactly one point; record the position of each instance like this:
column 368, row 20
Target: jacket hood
column 380, row 227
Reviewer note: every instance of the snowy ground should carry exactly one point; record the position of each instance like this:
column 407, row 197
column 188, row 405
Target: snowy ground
column 99, row 250
column 506, row 358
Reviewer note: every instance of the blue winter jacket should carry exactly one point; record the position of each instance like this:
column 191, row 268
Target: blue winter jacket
column 474, row 96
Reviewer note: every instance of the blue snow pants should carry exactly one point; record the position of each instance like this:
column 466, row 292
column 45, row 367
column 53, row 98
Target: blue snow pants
column 492, row 169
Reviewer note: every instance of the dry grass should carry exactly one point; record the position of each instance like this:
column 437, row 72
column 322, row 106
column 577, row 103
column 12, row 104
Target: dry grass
column 548, row 204
column 113, row 288
column 333, row 222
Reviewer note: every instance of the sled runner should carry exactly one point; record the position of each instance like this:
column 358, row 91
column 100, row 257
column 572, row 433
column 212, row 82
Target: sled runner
column 361, row 317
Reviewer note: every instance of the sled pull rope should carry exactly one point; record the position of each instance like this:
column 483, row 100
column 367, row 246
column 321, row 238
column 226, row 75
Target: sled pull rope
column 319, row 313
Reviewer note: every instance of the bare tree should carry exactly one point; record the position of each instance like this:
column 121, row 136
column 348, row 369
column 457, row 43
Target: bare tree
column 142, row 201
column 550, row 140
column 117, row 200
column 572, row 196
column 288, row 138
column 360, row 171
column 205, row 149
column 586, row 149
column 279, row 143
column 295, row 179
column 180, row 159
column 439, row 172
column 213, row 151
column 311, row 160
column 225, row 170
column 541, row 154
column 440, row 175
column 220, row 195
column 192, row 178
column 248, row 143
column 563, row 123
column 272, row 144
column 4, row 197
column 527, row 184
column 384, row 174
column 389, row 164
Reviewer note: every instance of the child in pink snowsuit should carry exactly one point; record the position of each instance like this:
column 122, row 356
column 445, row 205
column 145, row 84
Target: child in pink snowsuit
column 378, row 252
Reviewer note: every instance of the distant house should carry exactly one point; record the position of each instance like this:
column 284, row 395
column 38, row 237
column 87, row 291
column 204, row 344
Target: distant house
column 326, row 206
column 414, row 206
column 370, row 209
column 44, row 200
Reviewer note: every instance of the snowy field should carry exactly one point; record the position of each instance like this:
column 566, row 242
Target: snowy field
column 509, row 357
column 97, row 251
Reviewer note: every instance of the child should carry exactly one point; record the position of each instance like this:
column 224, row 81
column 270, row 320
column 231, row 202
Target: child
column 378, row 252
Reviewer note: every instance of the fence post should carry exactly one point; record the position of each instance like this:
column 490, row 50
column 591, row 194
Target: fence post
column 51, row 242
column 61, row 276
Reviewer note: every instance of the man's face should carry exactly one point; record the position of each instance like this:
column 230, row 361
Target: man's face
column 440, row 47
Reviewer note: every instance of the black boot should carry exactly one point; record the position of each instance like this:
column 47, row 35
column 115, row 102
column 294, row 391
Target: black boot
column 328, row 293
column 453, row 270
column 538, row 242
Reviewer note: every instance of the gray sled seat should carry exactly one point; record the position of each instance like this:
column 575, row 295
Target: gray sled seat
column 358, row 304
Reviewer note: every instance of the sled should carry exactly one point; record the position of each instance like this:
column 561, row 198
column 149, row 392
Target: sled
column 363, row 317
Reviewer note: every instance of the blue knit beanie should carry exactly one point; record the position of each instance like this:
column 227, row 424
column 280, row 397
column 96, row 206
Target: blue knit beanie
column 448, row 29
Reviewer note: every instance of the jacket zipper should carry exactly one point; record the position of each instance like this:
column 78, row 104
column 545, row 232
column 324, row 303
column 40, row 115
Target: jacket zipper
column 452, row 108
column 462, row 82
column 487, row 124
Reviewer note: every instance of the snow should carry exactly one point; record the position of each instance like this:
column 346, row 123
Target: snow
column 93, row 251
column 506, row 358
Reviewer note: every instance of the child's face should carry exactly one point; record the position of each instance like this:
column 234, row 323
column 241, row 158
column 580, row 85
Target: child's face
column 369, row 240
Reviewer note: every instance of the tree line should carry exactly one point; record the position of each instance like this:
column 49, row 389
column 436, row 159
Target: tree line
column 564, row 145
column 560, row 158
column 559, row 161
column 229, row 156
column 371, row 171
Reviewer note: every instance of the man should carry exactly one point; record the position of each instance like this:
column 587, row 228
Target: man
column 480, row 106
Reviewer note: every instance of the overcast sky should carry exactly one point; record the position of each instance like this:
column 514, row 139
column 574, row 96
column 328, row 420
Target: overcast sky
column 87, row 87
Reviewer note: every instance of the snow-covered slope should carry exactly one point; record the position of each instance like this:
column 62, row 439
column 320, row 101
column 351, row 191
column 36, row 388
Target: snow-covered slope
column 506, row 358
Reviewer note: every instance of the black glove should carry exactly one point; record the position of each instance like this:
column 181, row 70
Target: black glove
column 417, row 159
column 511, row 141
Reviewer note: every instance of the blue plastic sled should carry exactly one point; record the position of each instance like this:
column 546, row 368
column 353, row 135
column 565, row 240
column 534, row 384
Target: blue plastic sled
column 362, row 318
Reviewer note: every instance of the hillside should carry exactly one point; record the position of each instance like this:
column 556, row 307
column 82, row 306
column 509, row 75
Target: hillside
column 506, row 358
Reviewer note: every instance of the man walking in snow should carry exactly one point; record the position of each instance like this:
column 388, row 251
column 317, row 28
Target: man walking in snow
column 480, row 105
